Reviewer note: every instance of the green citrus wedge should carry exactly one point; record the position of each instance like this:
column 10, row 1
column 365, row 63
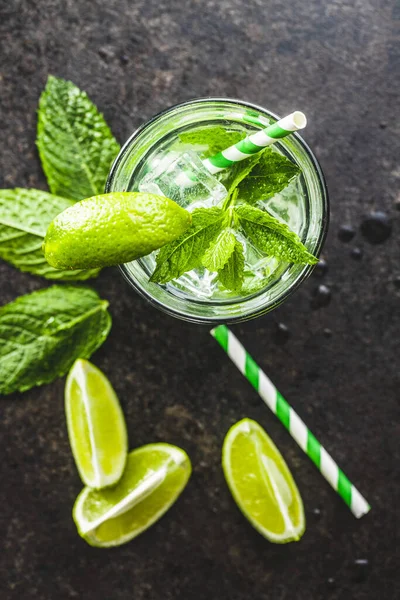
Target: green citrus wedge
column 261, row 483
column 154, row 477
column 112, row 229
column 96, row 425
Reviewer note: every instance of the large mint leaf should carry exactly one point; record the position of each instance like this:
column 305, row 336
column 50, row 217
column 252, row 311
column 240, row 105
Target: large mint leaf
column 231, row 276
column 219, row 251
column 75, row 145
column 186, row 252
column 271, row 236
column 211, row 139
column 43, row 333
column 232, row 176
column 270, row 175
column 25, row 215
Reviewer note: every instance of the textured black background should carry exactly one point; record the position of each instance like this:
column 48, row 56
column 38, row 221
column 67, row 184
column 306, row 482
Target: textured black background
column 338, row 61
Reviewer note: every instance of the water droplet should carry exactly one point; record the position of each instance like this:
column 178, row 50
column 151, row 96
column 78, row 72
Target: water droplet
column 321, row 297
column 281, row 334
column 327, row 332
column 376, row 227
column 356, row 253
column 331, row 582
column 124, row 59
column 383, row 124
column 346, row 233
column 396, row 281
column 321, row 268
column 361, row 568
column 317, row 512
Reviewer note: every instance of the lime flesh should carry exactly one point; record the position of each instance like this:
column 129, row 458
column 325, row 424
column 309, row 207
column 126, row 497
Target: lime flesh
column 111, row 229
column 154, row 477
column 261, row 483
column 96, row 425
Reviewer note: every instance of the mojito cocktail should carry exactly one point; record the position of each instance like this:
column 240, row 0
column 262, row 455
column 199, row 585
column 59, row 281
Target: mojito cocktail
column 189, row 278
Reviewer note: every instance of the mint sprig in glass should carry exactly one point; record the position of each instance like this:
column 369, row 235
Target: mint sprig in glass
column 241, row 233
column 254, row 237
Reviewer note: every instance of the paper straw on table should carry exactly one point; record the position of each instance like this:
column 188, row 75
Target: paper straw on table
column 256, row 142
column 290, row 419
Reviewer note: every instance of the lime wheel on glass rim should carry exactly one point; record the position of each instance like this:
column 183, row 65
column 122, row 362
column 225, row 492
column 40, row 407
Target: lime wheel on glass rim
column 111, row 229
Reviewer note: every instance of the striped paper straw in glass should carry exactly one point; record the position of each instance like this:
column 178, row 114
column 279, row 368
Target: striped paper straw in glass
column 291, row 420
column 255, row 142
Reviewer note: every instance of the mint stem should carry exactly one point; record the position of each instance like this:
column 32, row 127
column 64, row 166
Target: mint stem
column 230, row 200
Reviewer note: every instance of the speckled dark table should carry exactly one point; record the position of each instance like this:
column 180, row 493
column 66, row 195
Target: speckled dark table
column 338, row 61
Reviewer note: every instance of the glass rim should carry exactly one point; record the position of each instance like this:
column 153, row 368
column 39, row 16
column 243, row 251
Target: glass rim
column 210, row 319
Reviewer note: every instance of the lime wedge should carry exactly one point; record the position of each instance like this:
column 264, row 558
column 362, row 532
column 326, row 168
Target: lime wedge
column 96, row 425
column 111, row 229
column 154, row 477
column 262, row 484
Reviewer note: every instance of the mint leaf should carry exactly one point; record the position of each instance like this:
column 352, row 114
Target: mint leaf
column 231, row 276
column 43, row 333
column 271, row 236
column 186, row 252
column 25, row 215
column 75, row 145
column 232, row 176
column 213, row 139
column 219, row 251
column 270, row 175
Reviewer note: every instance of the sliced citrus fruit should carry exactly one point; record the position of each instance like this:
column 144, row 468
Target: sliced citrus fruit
column 154, row 477
column 111, row 229
column 261, row 483
column 96, row 425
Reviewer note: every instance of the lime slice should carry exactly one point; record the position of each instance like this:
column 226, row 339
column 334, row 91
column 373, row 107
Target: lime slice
column 112, row 229
column 262, row 484
column 154, row 477
column 96, row 425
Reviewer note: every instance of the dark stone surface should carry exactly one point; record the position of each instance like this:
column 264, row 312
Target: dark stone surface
column 339, row 62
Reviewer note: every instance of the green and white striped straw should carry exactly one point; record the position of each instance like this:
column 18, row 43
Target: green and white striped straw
column 291, row 420
column 255, row 142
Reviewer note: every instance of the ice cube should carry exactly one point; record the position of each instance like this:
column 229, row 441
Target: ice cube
column 199, row 282
column 186, row 181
